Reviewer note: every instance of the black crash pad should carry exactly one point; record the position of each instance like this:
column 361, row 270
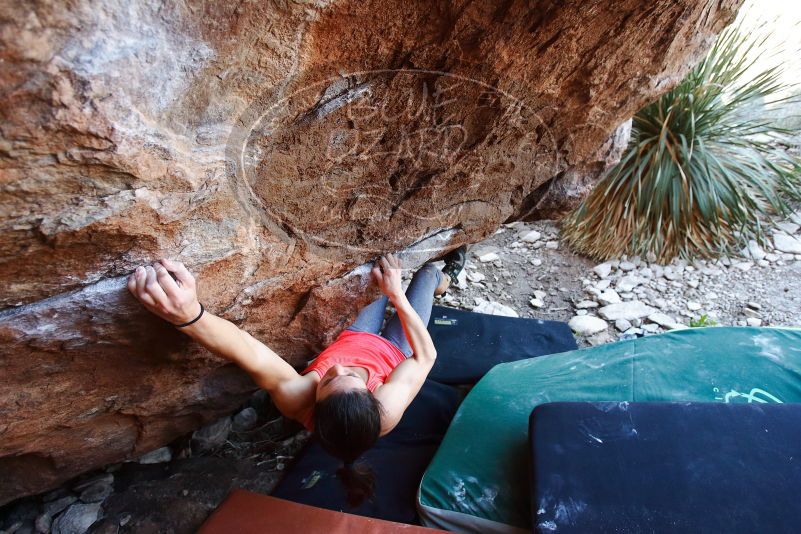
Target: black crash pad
column 666, row 467
column 470, row 344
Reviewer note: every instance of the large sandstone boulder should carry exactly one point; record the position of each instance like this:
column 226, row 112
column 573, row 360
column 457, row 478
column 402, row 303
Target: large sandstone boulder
column 275, row 148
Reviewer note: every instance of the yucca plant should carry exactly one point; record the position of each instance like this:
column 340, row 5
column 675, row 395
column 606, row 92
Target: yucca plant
column 705, row 165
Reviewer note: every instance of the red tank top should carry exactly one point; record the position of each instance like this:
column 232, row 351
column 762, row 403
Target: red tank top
column 377, row 355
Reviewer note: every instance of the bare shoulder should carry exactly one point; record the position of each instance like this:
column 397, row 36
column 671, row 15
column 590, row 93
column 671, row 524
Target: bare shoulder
column 399, row 390
column 295, row 398
column 394, row 400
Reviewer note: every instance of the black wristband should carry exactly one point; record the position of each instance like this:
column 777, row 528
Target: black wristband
column 193, row 321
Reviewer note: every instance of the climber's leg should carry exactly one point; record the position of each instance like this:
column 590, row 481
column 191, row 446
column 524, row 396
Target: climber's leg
column 371, row 317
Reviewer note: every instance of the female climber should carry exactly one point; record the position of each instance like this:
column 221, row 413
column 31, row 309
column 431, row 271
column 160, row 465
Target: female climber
column 357, row 389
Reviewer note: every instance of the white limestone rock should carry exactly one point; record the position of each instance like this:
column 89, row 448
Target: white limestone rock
column 602, row 284
column 669, row 273
column 664, row 320
column 490, row 307
column 531, row 237
column 623, row 324
column 658, row 270
column 610, row 296
column 628, row 283
column 587, row 325
column 603, row 270
column 475, row 276
column 753, row 251
column 787, row 243
column 629, row 310
column 788, row 227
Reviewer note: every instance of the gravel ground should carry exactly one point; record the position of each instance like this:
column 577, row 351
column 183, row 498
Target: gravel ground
column 524, row 270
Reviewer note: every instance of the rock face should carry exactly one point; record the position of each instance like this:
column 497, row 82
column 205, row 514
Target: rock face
column 275, row 148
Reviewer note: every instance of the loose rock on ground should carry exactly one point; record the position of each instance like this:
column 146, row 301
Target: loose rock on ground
column 633, row 296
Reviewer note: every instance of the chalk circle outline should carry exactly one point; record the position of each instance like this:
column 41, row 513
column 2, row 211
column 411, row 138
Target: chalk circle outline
column 255, row 114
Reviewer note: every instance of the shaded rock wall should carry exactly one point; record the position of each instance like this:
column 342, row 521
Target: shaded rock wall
column 274, row 147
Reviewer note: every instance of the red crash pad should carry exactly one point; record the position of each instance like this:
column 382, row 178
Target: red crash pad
column 244, row 512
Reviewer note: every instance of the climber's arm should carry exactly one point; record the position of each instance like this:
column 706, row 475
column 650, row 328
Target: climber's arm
column 407, row 378
column 224, row 339
column 175, row 301
column 289, row 392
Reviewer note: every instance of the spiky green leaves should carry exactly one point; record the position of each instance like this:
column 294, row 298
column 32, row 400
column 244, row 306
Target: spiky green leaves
column 705, row 165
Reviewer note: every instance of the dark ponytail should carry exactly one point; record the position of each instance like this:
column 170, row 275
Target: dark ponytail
column 359, row 481
column 347, row 424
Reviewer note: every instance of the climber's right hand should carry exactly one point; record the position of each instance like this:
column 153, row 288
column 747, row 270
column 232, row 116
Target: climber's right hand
column 387, row 274
column 172, row 299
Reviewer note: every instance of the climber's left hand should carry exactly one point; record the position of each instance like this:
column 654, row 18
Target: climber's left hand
column 172, row 299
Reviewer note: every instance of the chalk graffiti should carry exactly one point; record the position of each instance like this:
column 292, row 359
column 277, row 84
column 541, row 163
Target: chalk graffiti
column 755, row 395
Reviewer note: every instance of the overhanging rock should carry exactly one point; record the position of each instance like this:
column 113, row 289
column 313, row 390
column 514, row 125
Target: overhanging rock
column 274, row 148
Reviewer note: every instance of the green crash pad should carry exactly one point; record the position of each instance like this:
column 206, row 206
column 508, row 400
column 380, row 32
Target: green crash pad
column 479, row 479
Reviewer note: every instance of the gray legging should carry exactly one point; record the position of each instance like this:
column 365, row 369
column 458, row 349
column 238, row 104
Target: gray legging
column 421, row 296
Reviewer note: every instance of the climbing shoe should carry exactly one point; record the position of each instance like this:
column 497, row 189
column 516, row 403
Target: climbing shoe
column 454, row 263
